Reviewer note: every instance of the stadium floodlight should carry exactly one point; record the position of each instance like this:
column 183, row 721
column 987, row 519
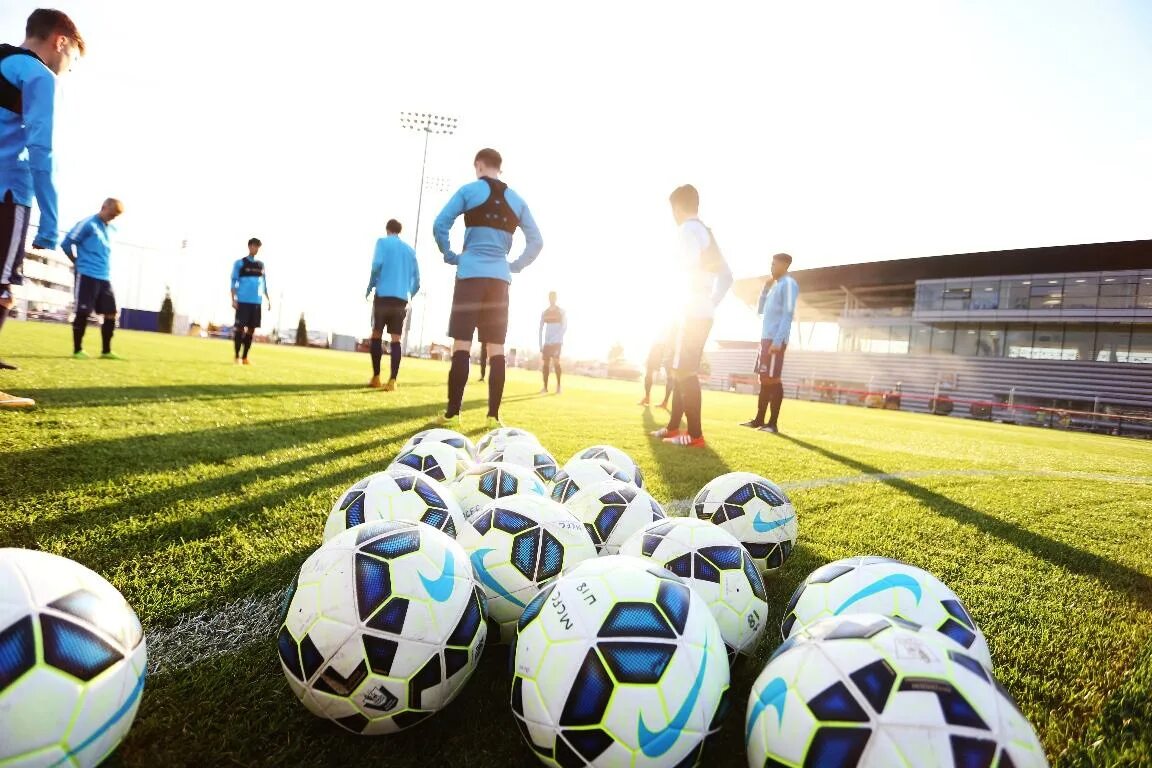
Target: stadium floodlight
column 428, row 123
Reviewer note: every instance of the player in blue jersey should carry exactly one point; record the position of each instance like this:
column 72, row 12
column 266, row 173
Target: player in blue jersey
column 248, row 284
column 395, row 279
column 89, row 246
column 777, row 305
column 27, row 120
column 707, row 279
column 553, row 326
column 491, row 212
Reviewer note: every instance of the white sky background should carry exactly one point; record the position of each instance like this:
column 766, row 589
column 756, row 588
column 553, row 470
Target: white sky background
column 837, row 131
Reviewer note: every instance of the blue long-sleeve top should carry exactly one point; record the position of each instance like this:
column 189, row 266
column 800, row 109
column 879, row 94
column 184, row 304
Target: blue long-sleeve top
column 553, row 326
column 486, row 249
column 27, row 168
column 249, row 280
column 778, row 305
column 89, row 247
column 395, row 272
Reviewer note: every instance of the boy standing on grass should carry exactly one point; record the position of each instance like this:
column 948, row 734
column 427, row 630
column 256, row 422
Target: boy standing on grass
column 27, row 118
column 395, row 279
column 553, row 326
column 248, row 282
column 707, row 278
column 89, row 247
column 777, row 305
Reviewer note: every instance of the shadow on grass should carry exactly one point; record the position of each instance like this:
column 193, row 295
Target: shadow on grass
column 683, row 470
column 1115, row 576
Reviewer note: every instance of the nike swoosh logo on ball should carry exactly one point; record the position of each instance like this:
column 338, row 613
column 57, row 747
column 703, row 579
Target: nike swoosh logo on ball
column 763, row 526
column 656, row 743
column 440, row 588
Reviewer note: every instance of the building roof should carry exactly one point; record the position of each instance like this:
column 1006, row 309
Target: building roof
column 902, row 273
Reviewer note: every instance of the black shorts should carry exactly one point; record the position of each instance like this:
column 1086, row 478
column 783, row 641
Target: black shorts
column 688, row 348
column 479, row 304
column 248, row 314
column 13, row 234
column 551, row 350
column 770, row 363
column 388, row 314
column 94, row 295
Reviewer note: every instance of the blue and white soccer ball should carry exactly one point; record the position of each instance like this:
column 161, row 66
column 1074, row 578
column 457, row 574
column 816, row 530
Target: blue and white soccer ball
column 754, row 510
column 439, row 461
column 72, row 662
column 526, row 454
column 870, row 690
column 618, row 663
column 717, row 567
column 486, row 482
column 465, row 447
column 382, row 627
column 612, row 511
column 503, row 436
column 523, row 543
column 581, row 474
column 888, row 587
column 613, row 455
column 398, row 493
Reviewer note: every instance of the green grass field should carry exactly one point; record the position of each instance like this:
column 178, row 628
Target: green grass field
column 191, row 483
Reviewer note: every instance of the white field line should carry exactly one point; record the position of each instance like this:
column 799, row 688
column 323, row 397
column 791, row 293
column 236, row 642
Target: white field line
column 194, row 638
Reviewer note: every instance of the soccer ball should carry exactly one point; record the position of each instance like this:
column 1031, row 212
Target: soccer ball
column 382, row 627
column 755, row 511
column 72, row 662
column 439, row 461
column 397, row 494
column 486, row 482
column 717, row 567
column 525, row 454
column 612, row 511
column 502, row 436
column 524, row 542
column 581, row 474
column 461, row 443
column 618, row 663
column 613, row 455
column 871, row 690
column 888, row 587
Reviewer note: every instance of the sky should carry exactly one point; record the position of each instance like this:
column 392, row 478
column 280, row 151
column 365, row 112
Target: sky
column 839, row 132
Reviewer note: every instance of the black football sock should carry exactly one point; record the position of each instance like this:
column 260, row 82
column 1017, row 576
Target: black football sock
column 495, row 385
column 483, row 362
column 692, row 405
column 647, row 385
column 395, row 350
column 558, row 372
column 237, row 339
column 3, row 316
column 247, row 345
column 106, row 332
column 545, row 370
column 377, row 353
column 79, row 326
column 762, row 401
column 457, row 380
column 777, row 399
column 677, row 414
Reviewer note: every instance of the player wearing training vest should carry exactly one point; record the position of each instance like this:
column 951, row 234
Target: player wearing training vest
column 248, row 283
column 553, row 325
column 395, row 278
column 777, row 305
column 27, row 120
column 707, row 278
column 89, row 246
column 492, row 212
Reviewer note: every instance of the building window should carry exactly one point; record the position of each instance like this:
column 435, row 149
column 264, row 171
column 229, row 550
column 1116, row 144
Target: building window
column 1048, row 343
column 1112, row 343
column 1081, row 292
column 990, row 341
column 930, row 297
column 900, row 339
column 967, row 340
column 1118, row 292
column 1014, row 294
column 921, row 343
column 1079, row 341
column 943, row 337
column 1140, row 349
column 1046, row 294
column 1144, row 294
column 957, row 295
column 1018, row 341
column 985, row 294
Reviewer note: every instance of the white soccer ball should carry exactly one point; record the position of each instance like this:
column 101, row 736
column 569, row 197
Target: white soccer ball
column 717, row 567
column 613, row 455
column 754, row 510
column 612, row 511
column 439, row 461
column 465, row 447
column 523, row 544
column 870, row 690
column 525, row 454
column 485, row 482
column 618, row 663
column 382, row 627
column 397, row 494
column 581, row 474
column 502, row 436
column 888, row 587
column 72, row 662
